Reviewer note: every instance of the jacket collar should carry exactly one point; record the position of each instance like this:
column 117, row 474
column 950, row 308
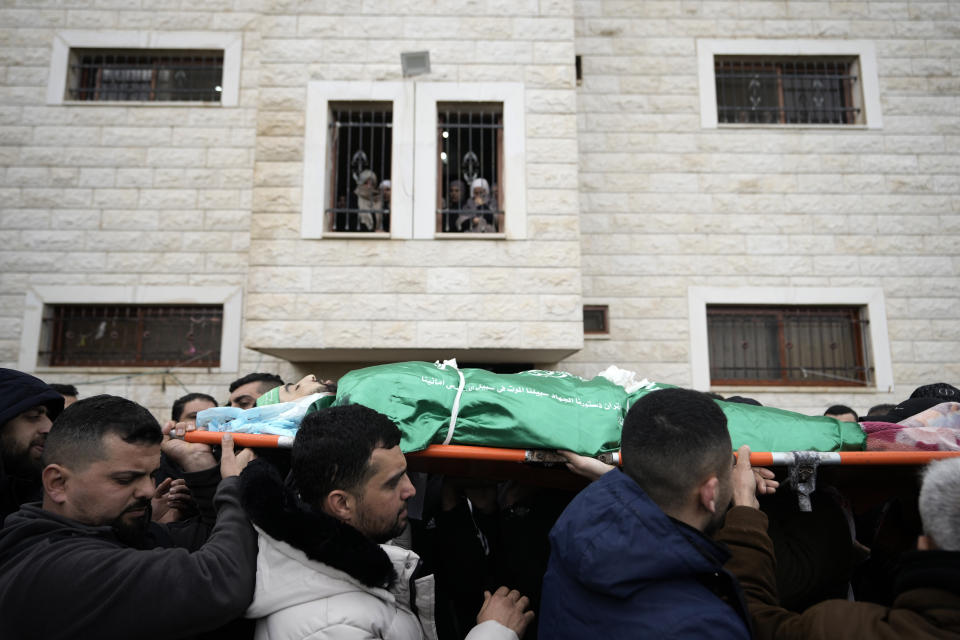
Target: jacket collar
column 275, row 509
column 929, row 569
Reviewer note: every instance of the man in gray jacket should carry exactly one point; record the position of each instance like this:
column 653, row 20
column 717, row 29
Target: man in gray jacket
column 88, row 563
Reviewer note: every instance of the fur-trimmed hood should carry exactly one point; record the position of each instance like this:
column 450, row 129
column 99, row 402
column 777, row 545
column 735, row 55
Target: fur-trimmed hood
column 279, row 513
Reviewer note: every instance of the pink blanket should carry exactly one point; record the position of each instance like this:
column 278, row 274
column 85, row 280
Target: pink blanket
column 936, row 429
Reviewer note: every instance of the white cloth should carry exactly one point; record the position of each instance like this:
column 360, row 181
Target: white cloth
column 299, row 598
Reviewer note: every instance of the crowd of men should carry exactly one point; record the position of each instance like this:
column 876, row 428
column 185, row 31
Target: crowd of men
column 116, row 527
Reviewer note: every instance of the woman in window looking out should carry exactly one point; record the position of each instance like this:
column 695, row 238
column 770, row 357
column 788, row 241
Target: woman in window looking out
column 368, row 200
column 478, row 217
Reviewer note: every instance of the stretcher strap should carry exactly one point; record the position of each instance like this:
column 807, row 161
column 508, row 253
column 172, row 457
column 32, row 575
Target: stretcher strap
column 455, row 411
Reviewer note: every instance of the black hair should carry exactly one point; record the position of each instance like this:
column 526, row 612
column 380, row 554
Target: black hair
column 880, row 409
column 271, row 378
column 744, row 400
column 182, row 401
column 940, row 390
column 64, row 389
column 333, row 446
column 76, row 437
column 672, row 441
column 839, row 410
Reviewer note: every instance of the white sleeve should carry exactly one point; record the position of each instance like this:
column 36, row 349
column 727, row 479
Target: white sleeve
column 491, row 630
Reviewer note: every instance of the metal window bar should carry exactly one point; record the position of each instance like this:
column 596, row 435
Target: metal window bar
column 134, row 335
column 787, row 346
column 470, row 144
column 361, row 138
column 795, row 91
column 148, row 76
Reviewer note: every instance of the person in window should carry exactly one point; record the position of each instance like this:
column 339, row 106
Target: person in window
column 367, row 201
column 456, row 191
column 478, row 214
column 385, row 191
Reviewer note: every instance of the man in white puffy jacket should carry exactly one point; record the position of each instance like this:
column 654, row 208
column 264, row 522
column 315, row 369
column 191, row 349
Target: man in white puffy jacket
column 324, row 570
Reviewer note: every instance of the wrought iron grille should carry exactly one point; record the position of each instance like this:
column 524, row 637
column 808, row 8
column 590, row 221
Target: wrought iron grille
column 361, row 136
column 146, row 75
column 787, row 345
column 470, row 167
column 797, row 91
column 134, row 335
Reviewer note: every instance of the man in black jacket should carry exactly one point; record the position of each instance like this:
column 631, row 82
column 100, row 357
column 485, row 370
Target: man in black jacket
column 28, row 406
column 84, row 563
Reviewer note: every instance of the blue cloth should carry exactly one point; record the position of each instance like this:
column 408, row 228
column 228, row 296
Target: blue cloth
column 621, row 568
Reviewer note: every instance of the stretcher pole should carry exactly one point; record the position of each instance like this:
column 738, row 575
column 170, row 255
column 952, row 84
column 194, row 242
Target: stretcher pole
column 852, row 458
column 535, row 456
column 251, row 440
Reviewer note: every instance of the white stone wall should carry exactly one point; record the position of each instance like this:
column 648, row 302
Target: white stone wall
column 448, row 295
column 629, row 201
column 666, row 204
column 110, row 194
column 172, row 195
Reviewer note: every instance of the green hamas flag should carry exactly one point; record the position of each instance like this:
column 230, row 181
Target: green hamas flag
column 528, row 410
column 440, row 404
column 771, row 429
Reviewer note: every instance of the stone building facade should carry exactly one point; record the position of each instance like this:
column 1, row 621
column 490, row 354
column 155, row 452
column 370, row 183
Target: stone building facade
column 622, row 187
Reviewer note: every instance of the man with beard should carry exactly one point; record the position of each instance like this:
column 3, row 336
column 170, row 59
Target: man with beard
column 27, row 408
column 82, row 565
column 631, row 556
column 325, row 568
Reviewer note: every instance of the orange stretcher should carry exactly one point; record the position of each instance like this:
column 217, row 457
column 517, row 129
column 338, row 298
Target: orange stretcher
column 538, row 456
column 547, row 468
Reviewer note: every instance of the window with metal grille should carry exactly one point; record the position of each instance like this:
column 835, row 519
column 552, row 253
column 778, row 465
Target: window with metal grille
column 761, row 345
column 469, row 167
column 145, row 75
column 361, row 138
column 96, row 335
column 595, row 319
column 803, row 90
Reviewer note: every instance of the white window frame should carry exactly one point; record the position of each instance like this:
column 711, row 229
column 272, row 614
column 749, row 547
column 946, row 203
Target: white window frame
column 863, row 50
column 870, row 297
column 317, row 147
column 230, row 43
column 37, row 297
column 514, row 189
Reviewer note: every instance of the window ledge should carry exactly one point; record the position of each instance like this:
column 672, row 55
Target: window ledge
column 370, row 235
column 596, row 336
column 748, row 389
column 470, row 236
column 140, row 103
column 757, row 125
column 146, row 370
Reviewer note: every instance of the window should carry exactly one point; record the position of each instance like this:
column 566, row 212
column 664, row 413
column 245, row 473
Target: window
column 595, row 319
column 486, row 140
column 788, row 83
column 792, row 345
column 360, row 168
column 789, row 337
column 139, row 326
column 151, row 67
column 358, row 160
column 402, row 125
column 802, row 90
column 145, row 75
column 133, row 335
column 469, row 166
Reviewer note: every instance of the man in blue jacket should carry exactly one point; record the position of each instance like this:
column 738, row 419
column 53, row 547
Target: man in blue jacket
column 631, row 555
